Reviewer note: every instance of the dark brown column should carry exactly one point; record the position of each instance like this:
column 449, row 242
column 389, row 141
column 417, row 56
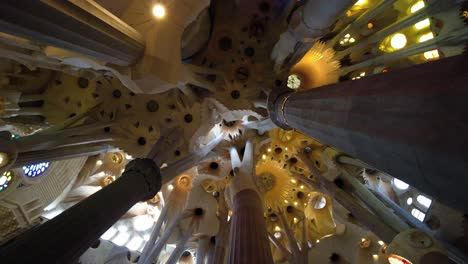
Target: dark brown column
column 66, row 237
column 81, row 26
column 248, row 239
column 410, row 123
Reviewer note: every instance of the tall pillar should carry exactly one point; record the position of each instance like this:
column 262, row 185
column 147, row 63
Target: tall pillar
column 410, row 123
column 65, row 153
column 81, row 26
column 248, row 239
column 65, row 238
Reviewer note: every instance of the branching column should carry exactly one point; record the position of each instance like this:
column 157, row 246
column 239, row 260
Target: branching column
column 81, row 26
column 248, row 239
column 65, row 238
column 411, row 123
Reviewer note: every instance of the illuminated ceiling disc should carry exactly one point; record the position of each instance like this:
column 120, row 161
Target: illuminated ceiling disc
column 294, row 81
column 117, row 158
column 184, row 182
column 159, row 11
column 273, row 181
column 3, row 159
column 398, row 41
column 107, row 180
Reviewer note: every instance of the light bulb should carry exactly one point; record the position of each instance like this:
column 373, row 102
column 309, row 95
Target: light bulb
column 398, row 41
column 159, row 11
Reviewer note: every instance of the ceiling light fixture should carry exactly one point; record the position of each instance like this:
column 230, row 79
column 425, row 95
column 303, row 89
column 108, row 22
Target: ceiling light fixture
column 159, row 11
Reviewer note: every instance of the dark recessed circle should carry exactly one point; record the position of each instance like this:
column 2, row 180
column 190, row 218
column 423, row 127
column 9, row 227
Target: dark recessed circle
column 116, row 93
column 300, row 195
column 83, row 83
column 188, row 118
column 273, row 217
column 72, row 115
column 307, row 149
column 334, row 257
column 293, row 160
column 289, row 209
column 249, row 51
column 242, row 73
column 96, row 244
column 371, row 171
column 264, row 7
column 198, row 211
column 211, row 77
column 214, row 165
column 339, row 182
column 107, row 129
column 235, row 94
column 142, row 141
column 225, row 43
column 152, row 106
column 257, row 29
column 278, row 82
column 213, row 240
column 186, row 254
column 278, row 150
column 229, row 123
column 177, row 153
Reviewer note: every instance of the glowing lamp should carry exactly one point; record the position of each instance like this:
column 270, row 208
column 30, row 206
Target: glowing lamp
column 159, row 11
column 398, row 41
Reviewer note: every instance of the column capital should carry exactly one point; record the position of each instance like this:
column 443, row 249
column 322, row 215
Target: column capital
column 150, row 172
column 276, row 100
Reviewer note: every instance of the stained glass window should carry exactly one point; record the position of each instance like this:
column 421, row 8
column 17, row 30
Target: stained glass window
column 426, row 202
column 418, row 214
column 34, row 170
column 5, row 180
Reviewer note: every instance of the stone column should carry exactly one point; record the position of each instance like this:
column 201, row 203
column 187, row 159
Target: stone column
column 410, row 123
column 65, row 238
column 32, row 157
column 81, row 26
column 248, row 239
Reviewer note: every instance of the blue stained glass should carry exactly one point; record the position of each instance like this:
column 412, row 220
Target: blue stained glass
column 34, row 170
